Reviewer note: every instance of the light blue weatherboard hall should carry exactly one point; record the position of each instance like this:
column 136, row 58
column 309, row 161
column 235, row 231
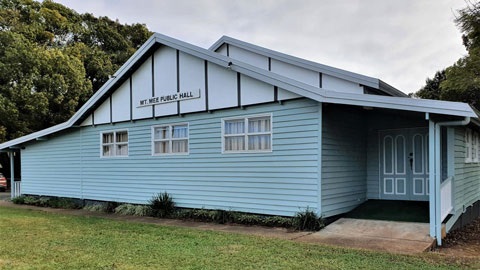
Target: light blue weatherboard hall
column 245, row 128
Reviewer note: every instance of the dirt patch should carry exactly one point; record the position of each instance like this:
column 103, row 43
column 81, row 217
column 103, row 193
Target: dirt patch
column 464, row 242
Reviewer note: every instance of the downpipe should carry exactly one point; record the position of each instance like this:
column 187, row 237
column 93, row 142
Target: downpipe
column 436, row 182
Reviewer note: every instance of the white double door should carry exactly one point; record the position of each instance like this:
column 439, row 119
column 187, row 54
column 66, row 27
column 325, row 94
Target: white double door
column 404, row 164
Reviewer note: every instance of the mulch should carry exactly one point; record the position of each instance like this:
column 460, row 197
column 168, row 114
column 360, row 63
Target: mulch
column 467, row 234
column 463, row 242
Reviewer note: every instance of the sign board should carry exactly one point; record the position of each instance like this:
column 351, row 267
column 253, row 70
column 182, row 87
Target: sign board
column 179, row 96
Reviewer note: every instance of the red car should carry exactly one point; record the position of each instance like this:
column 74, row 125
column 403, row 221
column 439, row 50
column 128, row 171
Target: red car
column 3, row 183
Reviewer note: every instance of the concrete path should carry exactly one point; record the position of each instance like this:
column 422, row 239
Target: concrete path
column 395, row 237
column 390, row 236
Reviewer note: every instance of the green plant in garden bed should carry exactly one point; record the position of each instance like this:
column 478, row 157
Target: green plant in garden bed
column 47, row 201
column 162, row 205
column 132, row 210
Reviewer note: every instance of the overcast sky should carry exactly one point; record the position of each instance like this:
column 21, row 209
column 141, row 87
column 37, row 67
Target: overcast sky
column 401, row 42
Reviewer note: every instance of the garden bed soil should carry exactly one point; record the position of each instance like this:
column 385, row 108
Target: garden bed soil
column 463, row 242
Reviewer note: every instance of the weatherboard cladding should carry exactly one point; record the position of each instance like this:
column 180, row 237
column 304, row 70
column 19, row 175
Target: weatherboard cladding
column 467, row 175
column 281, row 182
column 466, row 187
column 343, row 160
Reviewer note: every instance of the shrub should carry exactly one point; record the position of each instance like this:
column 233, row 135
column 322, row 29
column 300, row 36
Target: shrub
column 278, row 221
column 222, row 216
column 96, row 207
column 66, row 203
column 162, row 205
column 141, row 210
column 125, row 209
column 31, row 200
column 110, row 207
column 19, row 199
column 307, row 221
column 44, row 201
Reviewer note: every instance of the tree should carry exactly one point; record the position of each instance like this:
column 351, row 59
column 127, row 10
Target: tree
column 52, row 59
column 461, row 81
column 431, row 90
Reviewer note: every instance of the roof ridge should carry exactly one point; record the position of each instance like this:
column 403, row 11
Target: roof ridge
column 298, row 61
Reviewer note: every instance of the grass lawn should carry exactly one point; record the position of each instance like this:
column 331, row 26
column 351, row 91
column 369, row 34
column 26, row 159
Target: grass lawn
column 37, row 240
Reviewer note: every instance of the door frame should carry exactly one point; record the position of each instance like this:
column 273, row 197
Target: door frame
column 409, row 176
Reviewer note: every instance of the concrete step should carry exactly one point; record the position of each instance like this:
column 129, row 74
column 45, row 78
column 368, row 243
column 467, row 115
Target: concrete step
column 391, row 236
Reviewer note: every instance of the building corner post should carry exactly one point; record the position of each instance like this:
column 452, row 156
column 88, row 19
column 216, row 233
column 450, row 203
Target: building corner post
column 12, row 174
column 319, row 153
column 431, row 178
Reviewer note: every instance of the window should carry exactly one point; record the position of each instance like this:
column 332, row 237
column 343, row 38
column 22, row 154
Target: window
column 170, row 139
column 474, row 147
column 115, row 144
column 249, row 134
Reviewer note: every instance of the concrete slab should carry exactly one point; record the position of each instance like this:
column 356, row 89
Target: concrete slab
column 390, row 236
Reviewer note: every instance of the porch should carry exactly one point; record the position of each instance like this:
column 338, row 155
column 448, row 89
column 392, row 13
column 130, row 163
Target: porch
column 388, row 155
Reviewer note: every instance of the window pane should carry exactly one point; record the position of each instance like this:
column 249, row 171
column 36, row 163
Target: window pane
column 260, row 124
column 180, row 146
column 161, row 147
column 259, row 142
column 122, row 136
column 107, row 138
column 107, row 150
column 161, row 133
column 180, row 131
column 235, row 127
column 122, row 150
column 236, row 143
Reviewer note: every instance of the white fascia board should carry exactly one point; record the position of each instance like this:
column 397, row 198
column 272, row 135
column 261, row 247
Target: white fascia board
column 193, row 50
column 35, row 135
column 328, row 96
column 154, row 39
column 118, row 74
column 402, row 103
column 336, row 72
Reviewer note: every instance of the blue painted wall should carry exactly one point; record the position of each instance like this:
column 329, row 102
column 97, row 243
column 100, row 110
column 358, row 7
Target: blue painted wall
column 282, row 182
column 344, row 159
column 466, row 183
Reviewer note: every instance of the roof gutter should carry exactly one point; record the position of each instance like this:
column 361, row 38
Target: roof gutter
column 435, row 201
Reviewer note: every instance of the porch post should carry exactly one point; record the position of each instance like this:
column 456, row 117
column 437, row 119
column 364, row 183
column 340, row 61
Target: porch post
column 12, row 174
column 431, row 177
column 438, row 197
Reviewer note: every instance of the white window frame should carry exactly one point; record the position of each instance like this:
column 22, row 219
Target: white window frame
column 246, row 134
column 475, row 147
column 170, row 140
column 468, row 146
column 115, row 143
